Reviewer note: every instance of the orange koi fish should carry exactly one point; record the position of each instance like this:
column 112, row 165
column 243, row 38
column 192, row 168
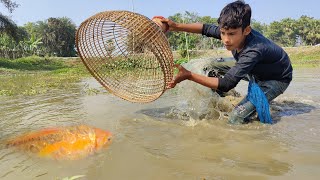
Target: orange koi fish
column 73, row 142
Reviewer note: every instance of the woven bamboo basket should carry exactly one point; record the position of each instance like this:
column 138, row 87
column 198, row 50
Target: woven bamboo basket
column 127, row 53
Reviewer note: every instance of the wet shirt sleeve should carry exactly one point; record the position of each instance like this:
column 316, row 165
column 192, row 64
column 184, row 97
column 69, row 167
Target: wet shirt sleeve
column 247, row 61
column 211, row 30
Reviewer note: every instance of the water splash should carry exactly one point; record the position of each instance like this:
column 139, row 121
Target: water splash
column 198, row 102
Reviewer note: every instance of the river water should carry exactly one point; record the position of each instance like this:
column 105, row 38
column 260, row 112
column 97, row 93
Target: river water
column 175, row 137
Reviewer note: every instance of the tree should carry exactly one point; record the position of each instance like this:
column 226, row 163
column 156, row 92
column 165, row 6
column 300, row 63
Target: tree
column 182, row 41
column 8, row 30
column 207, row 42
column 308, row 29
column 10, row 5
column 286, row 31
column 283, row 32
column 57, row 34
column 6, row 24
column 258, row 26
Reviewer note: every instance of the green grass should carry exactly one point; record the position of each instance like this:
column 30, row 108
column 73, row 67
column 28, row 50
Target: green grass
column 33, row 63
column 308, row 56
column 36, row 83
column 37, row 75
column 304, row 56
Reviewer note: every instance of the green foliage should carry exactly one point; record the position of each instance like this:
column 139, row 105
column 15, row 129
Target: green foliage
column 7, row 26
column 284, row 32
column 53, row 37
column 66, row 73
column 208, row 20
column 32, row 63
column 10, row 5
column 309, row 29
column 258, row 26
column 57, row 35
column 183, row 53
column 181, row 61
column 183, row 41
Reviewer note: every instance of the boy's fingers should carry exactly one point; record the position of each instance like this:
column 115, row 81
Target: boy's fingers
column 165, row 20
column 171, row 85
column 160, row 17
column 177, row 66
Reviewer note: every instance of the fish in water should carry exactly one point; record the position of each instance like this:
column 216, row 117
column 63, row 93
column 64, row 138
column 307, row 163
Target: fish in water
column 67, row 143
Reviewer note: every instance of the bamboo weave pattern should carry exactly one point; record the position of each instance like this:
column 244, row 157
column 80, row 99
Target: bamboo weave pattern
column 127, row 53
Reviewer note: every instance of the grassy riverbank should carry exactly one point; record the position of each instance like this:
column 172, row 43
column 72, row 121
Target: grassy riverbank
column 300, row 57
column 304, row 56
column 307, row 56
column 37, row 75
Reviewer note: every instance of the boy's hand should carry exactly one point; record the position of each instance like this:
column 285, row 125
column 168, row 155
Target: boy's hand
column 158, row 20
column 171, row 24
column 182, row 75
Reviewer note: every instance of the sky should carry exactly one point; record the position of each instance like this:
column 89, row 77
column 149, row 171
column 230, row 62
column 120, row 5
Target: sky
column 264, row 11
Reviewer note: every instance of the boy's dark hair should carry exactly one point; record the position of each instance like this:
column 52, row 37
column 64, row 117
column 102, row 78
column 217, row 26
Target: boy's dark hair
column 234, row 15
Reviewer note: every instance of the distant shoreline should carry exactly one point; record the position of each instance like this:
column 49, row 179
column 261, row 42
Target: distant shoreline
column 306, row 56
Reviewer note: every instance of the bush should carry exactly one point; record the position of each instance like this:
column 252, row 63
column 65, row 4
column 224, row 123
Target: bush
column 33, row 63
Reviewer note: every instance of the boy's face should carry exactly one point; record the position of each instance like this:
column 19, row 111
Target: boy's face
column 233, row 39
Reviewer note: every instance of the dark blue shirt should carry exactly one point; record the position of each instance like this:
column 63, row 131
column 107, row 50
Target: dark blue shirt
column 259, row 57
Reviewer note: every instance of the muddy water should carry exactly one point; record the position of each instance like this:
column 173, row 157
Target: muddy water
column 160, row 141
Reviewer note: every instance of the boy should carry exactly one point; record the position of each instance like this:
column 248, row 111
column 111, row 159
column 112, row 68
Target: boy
column 256, row 56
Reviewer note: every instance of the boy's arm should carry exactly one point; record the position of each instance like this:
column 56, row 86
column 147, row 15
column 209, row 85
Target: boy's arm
column 192, row 28
column 209, row 30
column 210, row 82
column 184, row 74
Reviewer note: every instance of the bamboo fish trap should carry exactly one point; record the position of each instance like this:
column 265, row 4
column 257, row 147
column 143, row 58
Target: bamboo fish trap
column 127, row 53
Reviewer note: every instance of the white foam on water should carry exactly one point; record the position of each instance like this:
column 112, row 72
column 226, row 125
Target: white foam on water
column 198, row 102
